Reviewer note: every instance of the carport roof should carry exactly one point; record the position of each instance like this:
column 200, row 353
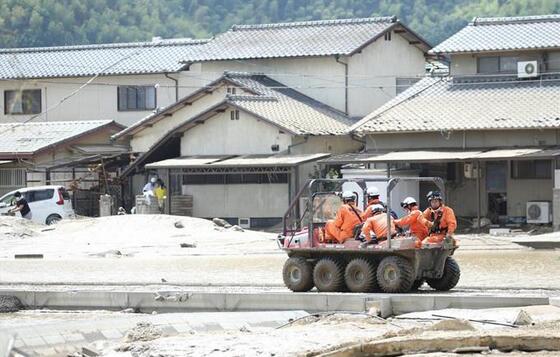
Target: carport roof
column 222, row 161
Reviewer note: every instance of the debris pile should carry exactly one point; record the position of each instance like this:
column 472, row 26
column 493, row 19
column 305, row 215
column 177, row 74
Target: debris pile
column 10, row 304
column 143, row 331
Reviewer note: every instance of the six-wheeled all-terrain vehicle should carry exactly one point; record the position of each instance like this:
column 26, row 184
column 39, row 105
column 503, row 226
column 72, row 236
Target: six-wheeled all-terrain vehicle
column 394, row 265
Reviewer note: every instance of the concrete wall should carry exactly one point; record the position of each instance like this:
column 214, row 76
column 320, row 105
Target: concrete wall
column 373, row 72
column 250, row 200
column 459, row 139
column 222, row 136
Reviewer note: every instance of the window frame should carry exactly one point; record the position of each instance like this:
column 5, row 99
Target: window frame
column 23, row 91
column 135, row 87
column 515, row 170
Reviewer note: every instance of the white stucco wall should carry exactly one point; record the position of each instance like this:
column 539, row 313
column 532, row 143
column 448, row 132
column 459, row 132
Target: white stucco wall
column 96, row 101
column 323, row 78
column 148, row 136
column 250, row 200
column 378, row 65
column 222, row 136
column 318, row 77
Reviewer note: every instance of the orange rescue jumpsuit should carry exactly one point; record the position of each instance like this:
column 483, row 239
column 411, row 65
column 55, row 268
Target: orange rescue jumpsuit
column 342, row 227
column 417, row 224
column 368, row 213
column 447, row 224
column 378, row 224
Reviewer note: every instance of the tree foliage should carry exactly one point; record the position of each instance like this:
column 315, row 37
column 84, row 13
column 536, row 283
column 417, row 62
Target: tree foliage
column 25, row 23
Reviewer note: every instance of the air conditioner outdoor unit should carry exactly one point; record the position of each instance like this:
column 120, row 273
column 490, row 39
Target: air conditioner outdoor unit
column 539, row 212
column 245, row 223
column 527, row 69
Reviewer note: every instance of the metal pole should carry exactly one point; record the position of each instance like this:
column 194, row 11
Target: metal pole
column 478, row 196
column 389, row 233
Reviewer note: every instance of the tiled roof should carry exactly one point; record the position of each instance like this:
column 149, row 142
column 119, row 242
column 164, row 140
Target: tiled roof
column 270, row 100
column 87, row 60
column 298, row 39
column 447, row 104
column 287, row 108
column 504, row 34
column 29, row 138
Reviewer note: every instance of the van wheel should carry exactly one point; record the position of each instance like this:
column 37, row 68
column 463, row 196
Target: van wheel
column 53, row 219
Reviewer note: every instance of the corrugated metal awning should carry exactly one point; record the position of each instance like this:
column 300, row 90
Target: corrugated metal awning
column 237, row 161
column 443, row 156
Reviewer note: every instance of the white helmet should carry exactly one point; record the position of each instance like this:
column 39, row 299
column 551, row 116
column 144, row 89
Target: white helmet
column 153, row 180
column 372, row 191
column 377, row 208
column 408, row 201
column 348, row 196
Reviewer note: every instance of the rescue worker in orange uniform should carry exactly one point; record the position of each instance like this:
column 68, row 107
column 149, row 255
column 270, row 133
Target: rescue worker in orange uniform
column 347, row 217
column 372, row 195
column 372, row 199
column 378, row 225
column 440, row 219
column 414, row 219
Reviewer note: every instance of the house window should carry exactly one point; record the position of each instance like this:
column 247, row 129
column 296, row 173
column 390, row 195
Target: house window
column 497, row 64
column 22, row 102
column 405, row 83
column 531, row 169
column 136, row 98
column 234, row 115
column 231, row 90
column 388, row 36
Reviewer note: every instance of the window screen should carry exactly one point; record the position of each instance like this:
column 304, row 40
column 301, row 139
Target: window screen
column 488, row 64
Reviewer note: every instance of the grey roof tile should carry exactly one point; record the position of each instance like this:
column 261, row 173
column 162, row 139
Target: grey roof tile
column 88, row 60
column 296, row 39
column 504, row 34
column 31, row 137
column 287, row 107
column 447, row 104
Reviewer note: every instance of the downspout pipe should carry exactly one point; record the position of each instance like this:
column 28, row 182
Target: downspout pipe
column 337, row 58
column 176, row 85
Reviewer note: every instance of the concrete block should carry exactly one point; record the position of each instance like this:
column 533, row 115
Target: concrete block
column 383, row 306
column 346, row 302
column 276, row 301
column 81, row 299
column 33, row 341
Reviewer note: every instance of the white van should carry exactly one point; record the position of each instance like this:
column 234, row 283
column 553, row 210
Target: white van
column 48, row 204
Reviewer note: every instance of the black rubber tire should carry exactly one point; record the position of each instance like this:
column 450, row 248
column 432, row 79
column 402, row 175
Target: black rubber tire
column 52, row 219
column 360, row 276
column 450, row 277
column 417, row 284
column 298, row 274
column 395, row 275
column 328, row 275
